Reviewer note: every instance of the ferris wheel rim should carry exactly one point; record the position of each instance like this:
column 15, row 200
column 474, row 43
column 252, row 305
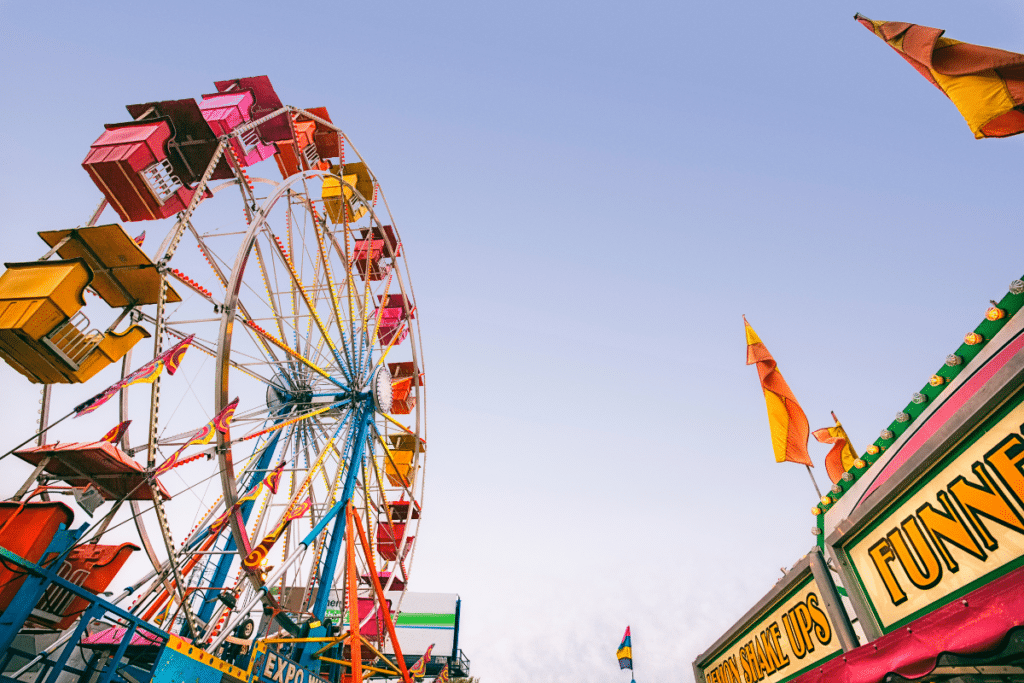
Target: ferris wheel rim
column 229, row 318
column 251, row 235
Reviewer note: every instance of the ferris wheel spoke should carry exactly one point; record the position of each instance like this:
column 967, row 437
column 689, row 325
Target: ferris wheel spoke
column 304, row 488
column 256, row 415
column 271, row 298
column 208, row 254
column 384, row 504
column 364, row 343
column 346, row 258
column 331, row 440
column 317, row 434
column 283, row 255
column 317, row 352
column 203, row 345
column 401, row 426
column 294, row 420
column 298, row 290
column 314, row 290
column 333, row 296
column 294, row 354
column 380, row 312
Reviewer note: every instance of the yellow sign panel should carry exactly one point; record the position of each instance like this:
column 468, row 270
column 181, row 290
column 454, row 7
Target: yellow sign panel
column 961, row 526
column 794, row 636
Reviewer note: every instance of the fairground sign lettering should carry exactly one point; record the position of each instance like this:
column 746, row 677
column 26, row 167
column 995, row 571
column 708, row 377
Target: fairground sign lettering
column 278, row 669
column 789, row 635
column 959, row 526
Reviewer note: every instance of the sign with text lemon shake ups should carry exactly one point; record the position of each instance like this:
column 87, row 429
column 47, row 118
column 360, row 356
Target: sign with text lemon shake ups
column 948, row 530
column 791, row 630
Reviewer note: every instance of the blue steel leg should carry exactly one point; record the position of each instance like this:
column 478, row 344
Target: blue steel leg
column 43, row 670
column 90, row 666
column 323, row 590
column 224, row 562
column 326, row 580
column 111, row 667
column 95, row 611
column 33, row 587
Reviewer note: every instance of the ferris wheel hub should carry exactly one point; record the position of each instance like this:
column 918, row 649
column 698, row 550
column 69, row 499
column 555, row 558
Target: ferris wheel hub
column 383, row 395
column 302, row 399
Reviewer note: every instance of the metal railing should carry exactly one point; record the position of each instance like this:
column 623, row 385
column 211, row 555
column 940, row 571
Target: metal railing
column 72, row 341
column 312, row 158
column 161, row 180
column 54, row 661
column 459, row 665
column 250, row 140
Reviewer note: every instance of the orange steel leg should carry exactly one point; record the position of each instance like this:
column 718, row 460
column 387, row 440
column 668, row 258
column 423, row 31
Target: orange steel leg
column 380, row 596
column 355, row 654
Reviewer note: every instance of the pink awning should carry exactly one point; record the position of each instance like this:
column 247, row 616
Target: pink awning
column 974, row 624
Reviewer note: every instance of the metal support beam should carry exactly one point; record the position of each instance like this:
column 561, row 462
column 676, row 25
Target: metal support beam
column 323, row 591
column 833, row 603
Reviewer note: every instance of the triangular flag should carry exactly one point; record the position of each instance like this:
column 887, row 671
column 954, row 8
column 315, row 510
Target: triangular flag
column 786, row 419
column 115, row 435
column 842, row 456
column 625, row 651
column 986, row 84
column 170, row 359
column 419, row 669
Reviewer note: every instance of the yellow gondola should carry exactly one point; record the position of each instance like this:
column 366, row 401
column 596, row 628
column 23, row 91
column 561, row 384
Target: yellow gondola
column 355, row 174
column 398, row 466
column 44, row 335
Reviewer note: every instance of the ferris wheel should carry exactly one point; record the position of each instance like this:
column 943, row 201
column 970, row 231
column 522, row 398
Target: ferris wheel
column 279, row 473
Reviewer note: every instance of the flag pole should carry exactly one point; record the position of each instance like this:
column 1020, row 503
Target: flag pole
column 37, row 434
column 813, row 480
column 632, row 660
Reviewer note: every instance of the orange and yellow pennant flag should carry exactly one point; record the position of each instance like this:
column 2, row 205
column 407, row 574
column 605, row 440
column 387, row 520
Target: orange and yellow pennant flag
column 271, row 481
column 786, row 418
column 252, row 494
column 220, row 423
column 171, row 358
column 114, row 435
column 147, row 374
column 419, row 669
column 257, row 554
column 985, row 84
column 222, row 520
column 842, row 456
column 159, row 618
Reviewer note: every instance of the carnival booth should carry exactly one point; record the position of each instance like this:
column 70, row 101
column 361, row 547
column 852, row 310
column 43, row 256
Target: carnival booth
column 918, row 572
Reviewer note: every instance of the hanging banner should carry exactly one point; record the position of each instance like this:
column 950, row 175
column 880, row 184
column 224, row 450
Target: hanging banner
column 797, row 626
column 949, row 526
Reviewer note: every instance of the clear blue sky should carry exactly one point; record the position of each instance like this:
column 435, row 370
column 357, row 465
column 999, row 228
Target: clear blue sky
column 591, row 194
